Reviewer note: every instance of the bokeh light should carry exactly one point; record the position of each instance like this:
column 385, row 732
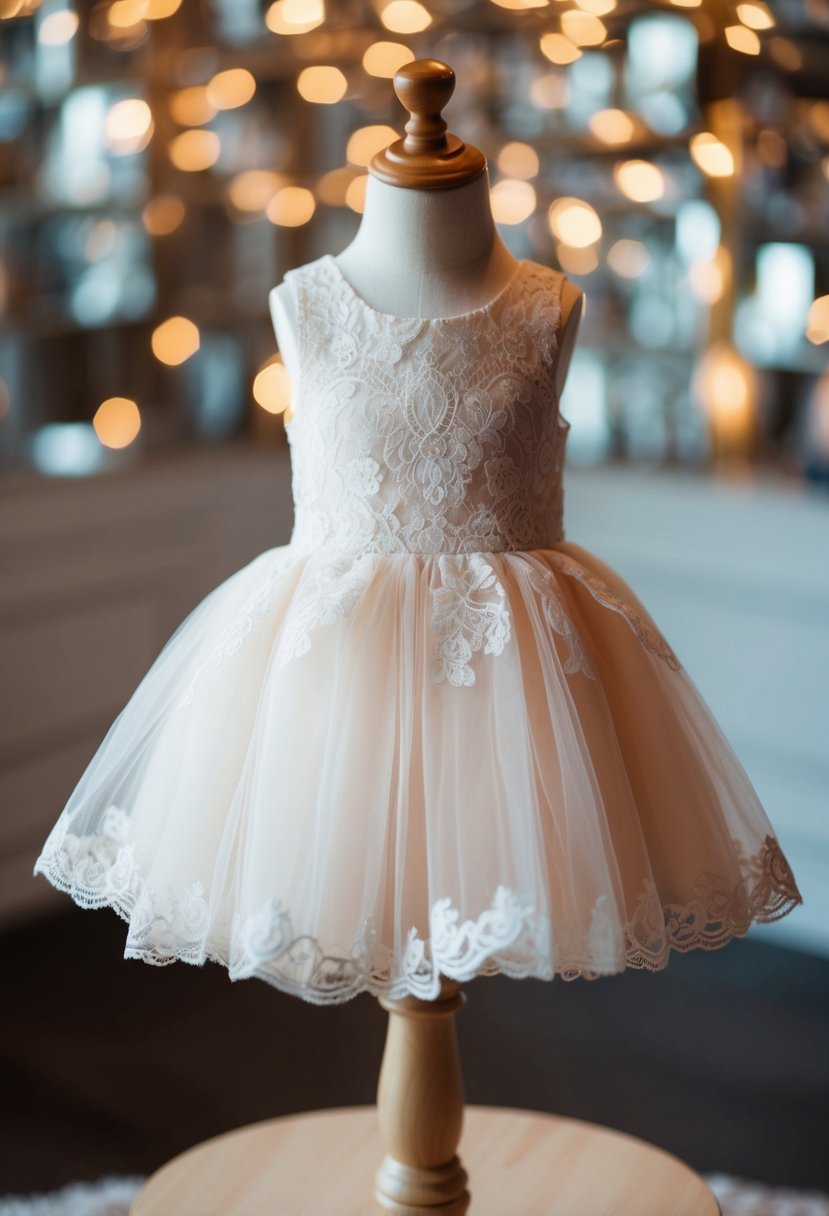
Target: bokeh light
column 512, row 201
column 612, row 126
column 405, row 17
column 193, row 151
column 741, row 38
column 117, row 422
column 757, row 16
column 163, row 214
column 712, row 155
column 519, row 160
column 175, row 341
column 355, row 194
column 291, row 207
column 582, row 28
column 295, row 16
column 192, row 107
column 322, row 84
column 574, row 222
column 817, row 325
column 254, row 189
column 639, row 180
column 129, row 126
column 628, row 258
column 272, row 387
column 231, row 88
column 559, row 49
column 383, row 59
column 365, row 142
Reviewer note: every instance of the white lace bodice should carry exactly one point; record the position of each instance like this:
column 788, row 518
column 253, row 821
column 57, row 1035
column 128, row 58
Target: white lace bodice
column 426, row 436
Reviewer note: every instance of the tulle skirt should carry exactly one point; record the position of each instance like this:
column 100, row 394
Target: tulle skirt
column 347, row 775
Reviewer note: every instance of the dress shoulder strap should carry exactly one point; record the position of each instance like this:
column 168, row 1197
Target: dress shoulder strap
column 312, row 289
column 542, row 305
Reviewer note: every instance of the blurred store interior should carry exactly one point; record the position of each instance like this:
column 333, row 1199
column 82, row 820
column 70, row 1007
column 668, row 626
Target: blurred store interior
column 162, row 164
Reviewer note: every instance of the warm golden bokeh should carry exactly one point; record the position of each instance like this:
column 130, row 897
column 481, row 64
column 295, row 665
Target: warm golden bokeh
column 117, row 422
column 582, row 28
column 519, row 5
column 639, row 180
column 405, row 17
column 741, row 38
column 157, row 10
column 709, row 277
column 512, row 201
column 332, row 187
column 577, row 260
column 756, row 15
column 231, row 88
column 355, row 195
column 598, row 8
column 549, row 92
column 574, row 222
column 193, row 151
column 817, row 325
column 175, row 341
column 163, row 214
column 295, row 16
column 383, row 59
column 254, row 189
column 365, row 142
column 124, row 14
column 725, row 386
column 291, row 207
column 322, row 84
column 628, row 258
column 519, row 160
column 612, row 126
column 272, row 387
column 558, row 49
column 128, row 126
column 191, row 107
column 711, row 155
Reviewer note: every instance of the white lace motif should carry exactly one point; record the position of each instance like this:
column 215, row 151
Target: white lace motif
column 509, row 937
column 435, row 437
column 423, row 436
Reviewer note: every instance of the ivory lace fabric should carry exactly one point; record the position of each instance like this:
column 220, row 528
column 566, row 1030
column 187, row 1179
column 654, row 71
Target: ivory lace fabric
column 429, row 735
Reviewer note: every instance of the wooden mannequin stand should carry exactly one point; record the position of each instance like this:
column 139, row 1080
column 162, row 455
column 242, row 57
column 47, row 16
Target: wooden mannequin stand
column 420, row 1107
column 522, row 1163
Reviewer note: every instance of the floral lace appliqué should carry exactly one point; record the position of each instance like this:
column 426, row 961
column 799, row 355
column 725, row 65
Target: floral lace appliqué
column 470, row 614
column 558, row 618
column 649, row 636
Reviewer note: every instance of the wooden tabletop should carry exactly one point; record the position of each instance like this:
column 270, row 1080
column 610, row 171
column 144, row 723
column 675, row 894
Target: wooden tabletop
column 520, row 1163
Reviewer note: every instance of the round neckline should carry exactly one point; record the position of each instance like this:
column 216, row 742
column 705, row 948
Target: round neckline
column 458, row 316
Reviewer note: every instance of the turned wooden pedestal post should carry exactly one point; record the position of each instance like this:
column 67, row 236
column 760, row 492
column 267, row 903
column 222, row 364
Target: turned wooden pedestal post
column 420, row 1105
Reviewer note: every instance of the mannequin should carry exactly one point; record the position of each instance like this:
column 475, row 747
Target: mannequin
column 427, row 249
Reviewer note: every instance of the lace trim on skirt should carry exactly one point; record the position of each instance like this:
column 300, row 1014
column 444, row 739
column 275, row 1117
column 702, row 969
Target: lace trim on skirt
column 509, row 938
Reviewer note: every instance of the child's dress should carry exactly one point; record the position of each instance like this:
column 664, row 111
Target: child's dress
column 429, row 735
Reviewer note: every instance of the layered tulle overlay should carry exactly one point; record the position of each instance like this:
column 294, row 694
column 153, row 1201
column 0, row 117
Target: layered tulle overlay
column 391, row 794
column 428, row 736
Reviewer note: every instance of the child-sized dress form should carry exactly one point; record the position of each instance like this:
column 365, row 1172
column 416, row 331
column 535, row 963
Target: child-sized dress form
column 429, row 735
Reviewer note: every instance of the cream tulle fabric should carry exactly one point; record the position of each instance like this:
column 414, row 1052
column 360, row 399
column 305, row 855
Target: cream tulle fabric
column 428, row 735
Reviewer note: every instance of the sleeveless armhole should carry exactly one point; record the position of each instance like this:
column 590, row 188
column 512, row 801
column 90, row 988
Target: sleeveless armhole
column 293, row 339
column 555, row 302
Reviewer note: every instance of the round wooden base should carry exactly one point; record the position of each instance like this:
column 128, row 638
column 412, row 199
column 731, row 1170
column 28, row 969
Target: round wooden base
column 520, row 1163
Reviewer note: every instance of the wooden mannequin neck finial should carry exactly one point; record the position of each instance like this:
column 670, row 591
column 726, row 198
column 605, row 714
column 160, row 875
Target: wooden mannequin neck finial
column 427, row 158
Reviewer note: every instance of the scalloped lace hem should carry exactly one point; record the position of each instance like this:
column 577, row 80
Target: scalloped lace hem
column 510, row 938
